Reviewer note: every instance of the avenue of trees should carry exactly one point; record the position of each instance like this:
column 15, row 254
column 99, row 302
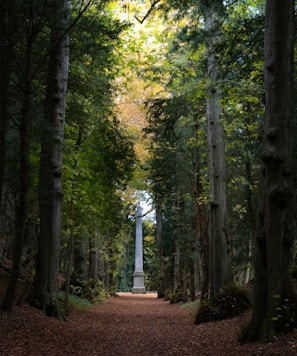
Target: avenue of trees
column 187, row 105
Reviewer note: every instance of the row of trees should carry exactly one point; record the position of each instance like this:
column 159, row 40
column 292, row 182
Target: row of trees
column 209, row 135
column 208, row 117
column 38, row 41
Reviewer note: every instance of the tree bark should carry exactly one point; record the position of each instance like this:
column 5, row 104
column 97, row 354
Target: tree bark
column 23, row 173
column 50, row 171
column 70, row 245
column 202, row 237
column 22, row 205
column 275, row 234
column 218, row 239
column 94, row 256
column 6, row 28
column 161, row 291
column 200, row 224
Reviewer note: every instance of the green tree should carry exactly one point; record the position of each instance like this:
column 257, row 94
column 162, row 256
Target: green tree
column 98, row 155
column 24, row 69
column 171, row 191
column 239, row 116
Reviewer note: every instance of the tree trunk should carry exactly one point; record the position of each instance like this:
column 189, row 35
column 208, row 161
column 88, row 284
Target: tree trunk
column 200, row 225
column 70, row 248
column 50, row 173
column 275, row 235
column 21, row 209
column 161, row 291
column 6, row 29
column 93, row 256
column 192, row 280
column 202, row 236
column 101, row 261
column 177, row 277
column 80, row 259
column 23, row 174
column 218, row 241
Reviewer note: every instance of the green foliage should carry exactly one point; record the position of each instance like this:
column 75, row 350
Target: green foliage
column 98, row 150
column 175, row 297
column 76, row 303
column 150, row 256
column 230, row 301
column 191, row 305
column 283, row 322
column 285, row 319
column 177, row 124
column 91, row 290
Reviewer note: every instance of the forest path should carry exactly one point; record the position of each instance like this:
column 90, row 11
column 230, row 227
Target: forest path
column 129, row 325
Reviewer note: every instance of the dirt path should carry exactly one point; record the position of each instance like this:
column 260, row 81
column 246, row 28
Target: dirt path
column 128, row 325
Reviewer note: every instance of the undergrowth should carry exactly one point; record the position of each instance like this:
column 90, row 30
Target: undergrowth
column 230, row 301
column 77, row 303
column 91, row 290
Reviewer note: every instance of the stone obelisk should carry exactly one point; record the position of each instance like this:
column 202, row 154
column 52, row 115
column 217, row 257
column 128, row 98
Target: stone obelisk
column 138, row 276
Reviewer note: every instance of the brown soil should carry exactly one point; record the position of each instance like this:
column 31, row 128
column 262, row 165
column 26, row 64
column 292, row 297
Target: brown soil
column 129, row 325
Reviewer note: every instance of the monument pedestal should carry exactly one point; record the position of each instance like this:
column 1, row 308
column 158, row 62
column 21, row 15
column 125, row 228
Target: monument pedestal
column 138, row 283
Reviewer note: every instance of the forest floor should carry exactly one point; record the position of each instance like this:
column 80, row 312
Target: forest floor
column 130, row 325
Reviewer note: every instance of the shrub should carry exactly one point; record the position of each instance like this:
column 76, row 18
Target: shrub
column 207, row 311
column 285, row 319
column 176, row 297
column 230, row 301
column 91, row 290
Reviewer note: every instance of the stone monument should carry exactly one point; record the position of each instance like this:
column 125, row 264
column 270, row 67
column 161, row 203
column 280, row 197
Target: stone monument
column 138, row 276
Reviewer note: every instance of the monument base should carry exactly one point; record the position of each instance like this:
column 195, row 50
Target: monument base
column 138, row 283
column 137, row 290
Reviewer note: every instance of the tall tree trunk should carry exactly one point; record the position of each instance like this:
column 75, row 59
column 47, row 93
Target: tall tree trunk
column 24, row 170
column 93, row 256
column 218, row 240
column 202, row 236
column 275, row 236
column 200, row 224
column 50, row 171
column 179, row 254
column 177, row 275
column 21, row 209
column 6, row 29
column 70, row 246
column 162, row 287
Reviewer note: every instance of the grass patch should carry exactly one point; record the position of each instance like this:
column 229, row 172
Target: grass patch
column 76, row 303
column 191, row 305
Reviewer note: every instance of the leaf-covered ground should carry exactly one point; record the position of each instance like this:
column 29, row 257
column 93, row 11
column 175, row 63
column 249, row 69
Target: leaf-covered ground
column 129, row 325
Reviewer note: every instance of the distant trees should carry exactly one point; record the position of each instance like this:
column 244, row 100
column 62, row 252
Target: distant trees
column 223, row 52
column 171, row 180
column 206, row 103
column 99, row 155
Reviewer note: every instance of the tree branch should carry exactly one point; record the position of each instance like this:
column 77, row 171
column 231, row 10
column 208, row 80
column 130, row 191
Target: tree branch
column 153, row 5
